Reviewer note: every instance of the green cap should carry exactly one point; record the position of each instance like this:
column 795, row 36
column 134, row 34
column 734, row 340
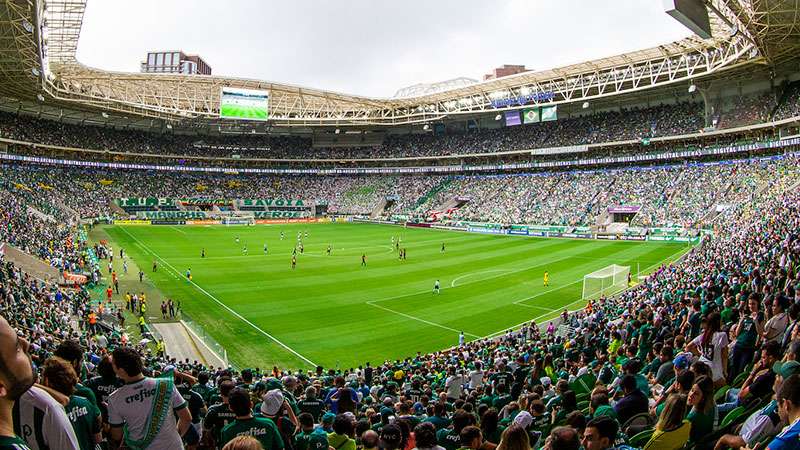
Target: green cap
column 786, row 369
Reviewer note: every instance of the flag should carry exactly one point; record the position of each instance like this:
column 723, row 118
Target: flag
column 549, row 113
column 530, row 115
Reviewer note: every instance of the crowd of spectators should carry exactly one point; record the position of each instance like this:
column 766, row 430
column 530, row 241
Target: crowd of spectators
column 703, row 350
column 623, row 124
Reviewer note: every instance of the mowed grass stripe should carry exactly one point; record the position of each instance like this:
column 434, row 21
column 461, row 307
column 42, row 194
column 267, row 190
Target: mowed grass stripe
column 320, row 309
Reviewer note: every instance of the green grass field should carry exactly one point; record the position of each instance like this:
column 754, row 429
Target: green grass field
column 333, row 312
column 243, row 112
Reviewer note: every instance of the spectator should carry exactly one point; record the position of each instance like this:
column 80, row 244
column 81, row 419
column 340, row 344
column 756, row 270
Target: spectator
column 672, row 429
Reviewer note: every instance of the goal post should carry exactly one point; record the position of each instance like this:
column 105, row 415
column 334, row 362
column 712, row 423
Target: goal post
column 610, row 279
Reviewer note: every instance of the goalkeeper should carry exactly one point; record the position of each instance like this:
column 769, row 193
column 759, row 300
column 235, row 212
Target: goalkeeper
column 546, row 279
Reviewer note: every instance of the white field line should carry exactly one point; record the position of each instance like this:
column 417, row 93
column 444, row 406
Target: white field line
column 409, row 316
column 520, row 301
column 234, row 313
column 461, row 277
column 179, row 230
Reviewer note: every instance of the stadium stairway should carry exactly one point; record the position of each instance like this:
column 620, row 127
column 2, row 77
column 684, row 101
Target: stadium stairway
column 32, row 265
column 433, row 191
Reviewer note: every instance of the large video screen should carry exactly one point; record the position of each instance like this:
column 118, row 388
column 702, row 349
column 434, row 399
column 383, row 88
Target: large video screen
column 247, row 104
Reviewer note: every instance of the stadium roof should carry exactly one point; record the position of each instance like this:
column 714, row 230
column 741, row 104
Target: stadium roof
column 39, row 73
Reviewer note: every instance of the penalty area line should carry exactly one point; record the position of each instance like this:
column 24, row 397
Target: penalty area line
column 409, row 316
column 234, row 313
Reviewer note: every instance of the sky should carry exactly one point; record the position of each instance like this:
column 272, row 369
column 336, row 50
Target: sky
column 370, row 47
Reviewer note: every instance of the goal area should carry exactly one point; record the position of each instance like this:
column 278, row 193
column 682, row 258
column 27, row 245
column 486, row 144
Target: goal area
column 608, row 280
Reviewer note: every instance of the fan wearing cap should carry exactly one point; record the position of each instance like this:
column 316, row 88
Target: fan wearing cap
column 275, row 407
column 767, row 421
column 245, row 424
column 391, row 438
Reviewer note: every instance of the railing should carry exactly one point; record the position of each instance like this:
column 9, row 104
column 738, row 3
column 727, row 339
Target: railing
column 205, row 339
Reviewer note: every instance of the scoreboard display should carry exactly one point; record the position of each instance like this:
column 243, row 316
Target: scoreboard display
column 245, row 104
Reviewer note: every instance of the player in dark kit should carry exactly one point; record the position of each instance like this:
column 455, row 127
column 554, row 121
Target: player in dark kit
column 364, row 260
column 329, row 249
column 294, row 261
column 442, row 247
column 203, row 253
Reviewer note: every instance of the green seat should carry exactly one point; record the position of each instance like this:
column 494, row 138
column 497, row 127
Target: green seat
column 583, row 384
column 720, row 394
column 732, row 416
column 739, row 380
column 638, row 440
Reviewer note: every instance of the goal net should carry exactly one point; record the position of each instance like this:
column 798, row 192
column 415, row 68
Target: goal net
column 607, row 280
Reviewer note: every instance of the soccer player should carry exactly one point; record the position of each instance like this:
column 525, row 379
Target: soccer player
column 294, row 261
column 436, row 289
column 404, row 254
column 244, row 250
column 329, row 249
column 265, row 248
column 237, row 238
column 364, row 260
column 306, row 234
column 461, row 339
column 442, row 247
column 125, row 267
column 189, row 274
column 301, row 248
column 155, row 266
column 546, row 279
column 281, row 235
column 203, row 253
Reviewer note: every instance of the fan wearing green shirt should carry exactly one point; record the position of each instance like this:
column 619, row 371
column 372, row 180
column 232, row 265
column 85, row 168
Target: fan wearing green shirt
column 84, row 416
column 308, row 438
column 261, row 428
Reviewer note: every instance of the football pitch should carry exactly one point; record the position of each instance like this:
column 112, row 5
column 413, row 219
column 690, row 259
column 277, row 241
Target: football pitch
column 332, row 311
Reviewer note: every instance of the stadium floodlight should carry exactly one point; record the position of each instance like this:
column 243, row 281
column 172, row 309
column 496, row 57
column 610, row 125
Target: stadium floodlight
column 40, row 97
column 692, row 88
column 498, row 117
column 27, row 26
column 104, row 114
column 169, row 126
column 498, row 94
column 466, row 101
column 426, row 127
column 525, row 90
column 585, row 105
column 337, row 131
column 35, row 72
column 608, row 280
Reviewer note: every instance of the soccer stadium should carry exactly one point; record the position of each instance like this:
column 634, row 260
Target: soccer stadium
column 597, row 255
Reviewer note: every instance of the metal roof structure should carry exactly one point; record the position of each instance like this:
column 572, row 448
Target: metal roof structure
column 39, row 72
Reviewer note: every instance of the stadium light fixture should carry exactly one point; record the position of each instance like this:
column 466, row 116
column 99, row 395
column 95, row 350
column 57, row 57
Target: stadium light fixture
column 169, row 126
column 104, row 114
column 27, row 26
column 585, row 105
column 35, row 72
column 525, row 90
column 426, row 127
column 692, row 88
column 498, row 117
column 338, row 131
column 40, row 97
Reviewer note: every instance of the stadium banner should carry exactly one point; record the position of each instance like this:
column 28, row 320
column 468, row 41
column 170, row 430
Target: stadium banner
column 582, row 230
column 537, row 233
column 518, row 232
column 582, row 148
column 245, row 104
column 473, row 229
column 74, row 278
column 575, row 235
column 277, row 214
column 418, row 224
column 449, row 227
column 168, row 215
column 512, row 118
column 131, row 222
column 549, row 113
column 673, row 239
column 523, row 99
column 205, row 201
column 269, row 202
column 203, row 222
column 639, row 158
column 168, row 222
column 624, row 209
column 144, row 201
column 530, row 115
column 633, row 238
column 607, row 237
column 549, row 228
